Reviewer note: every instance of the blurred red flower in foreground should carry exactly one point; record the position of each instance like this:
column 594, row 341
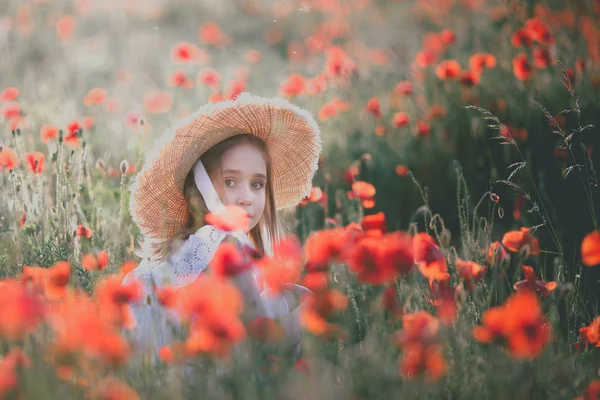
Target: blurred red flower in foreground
column 231, row 218
column 589, row 335
column 429, row 258
column 285, row 266
column 592, row 391
column 319, row 306
column 56, row 280
column 422, row 352
column 111, row 388
column 590, row 249
column 380, row 259
column 20, row 310
column 519, row 323
column 10, row 365
column 470, row 272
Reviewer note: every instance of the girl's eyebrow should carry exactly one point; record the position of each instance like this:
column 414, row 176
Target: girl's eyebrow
column 237, row 171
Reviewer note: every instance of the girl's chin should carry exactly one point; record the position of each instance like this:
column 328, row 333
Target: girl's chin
column 250, row 227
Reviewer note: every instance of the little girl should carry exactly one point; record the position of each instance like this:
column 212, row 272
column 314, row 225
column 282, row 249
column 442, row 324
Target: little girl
column 256, row 153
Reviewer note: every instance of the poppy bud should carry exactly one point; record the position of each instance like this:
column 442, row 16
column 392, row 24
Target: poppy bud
column 505, row 262
column 445, row 238
column 100, row 165
column 524, row 252
column 124, row 166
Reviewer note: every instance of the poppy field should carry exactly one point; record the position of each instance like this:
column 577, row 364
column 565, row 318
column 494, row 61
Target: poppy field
column 451, row 239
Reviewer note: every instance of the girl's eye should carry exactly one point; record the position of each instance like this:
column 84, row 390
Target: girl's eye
column 229, row 182
column 258, row 185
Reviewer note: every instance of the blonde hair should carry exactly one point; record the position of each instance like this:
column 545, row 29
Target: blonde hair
column 264, row 235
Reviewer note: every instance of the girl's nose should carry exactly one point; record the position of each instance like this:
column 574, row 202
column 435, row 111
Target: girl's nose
column 245, row 198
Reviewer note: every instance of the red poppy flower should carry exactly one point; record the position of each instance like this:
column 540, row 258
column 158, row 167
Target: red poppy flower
column 516, row 240
column 429, row 258
column 294, row 85
column 425, row 58
column 480, row 61
column 57, row 279
column 65, row 26
column 443, row 297
column 179, row 79
column 96, row 96
column 284, row 266
column 533, row 284
column 538, row 31
column 391, row 302
column 229, row 219
column 35, row 162
column 83, row 231
column 400, row 119
column 210, row 33
column 338, row 64
column 9, row 94
column 590, row 249
column 403, row 88
column 319, row 307
column 470, row 272
column 423, row 129
column 374, row 107
column 518, row 323
column 20, row 311
column 521, row 67
column 542, row 57
column 521, row 38
column 185, row 52
column 158, row 102
column 8, row 158
column 402, row 170
column 374, row 221
column 448, row 70
column 470, row 78
column 48, row 132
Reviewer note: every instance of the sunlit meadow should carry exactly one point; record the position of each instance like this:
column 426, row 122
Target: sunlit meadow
column 451, row 239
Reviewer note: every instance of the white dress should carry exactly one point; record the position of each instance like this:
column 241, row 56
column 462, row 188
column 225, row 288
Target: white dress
column 156, row 326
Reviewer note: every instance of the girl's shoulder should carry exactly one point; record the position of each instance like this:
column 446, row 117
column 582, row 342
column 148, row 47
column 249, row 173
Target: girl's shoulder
column 185, row 264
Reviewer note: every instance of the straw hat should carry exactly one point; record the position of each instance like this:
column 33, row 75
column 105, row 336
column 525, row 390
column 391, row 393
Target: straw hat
column 291, row 134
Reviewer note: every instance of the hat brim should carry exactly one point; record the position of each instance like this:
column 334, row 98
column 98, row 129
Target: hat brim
column 291, row 134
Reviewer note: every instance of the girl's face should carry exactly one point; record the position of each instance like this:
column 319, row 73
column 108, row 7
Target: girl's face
column 243, row 177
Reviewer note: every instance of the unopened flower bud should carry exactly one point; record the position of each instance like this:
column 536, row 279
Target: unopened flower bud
column 524, row 252
column 445, row 238
column 505, row 262
column 124, row 167
column 100, row 165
